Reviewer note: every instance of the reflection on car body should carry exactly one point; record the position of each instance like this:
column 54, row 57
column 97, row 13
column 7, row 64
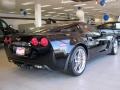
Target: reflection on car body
column 111, row 28
column 61, row 47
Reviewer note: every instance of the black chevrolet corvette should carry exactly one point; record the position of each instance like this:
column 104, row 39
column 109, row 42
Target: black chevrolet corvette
column 60, row 46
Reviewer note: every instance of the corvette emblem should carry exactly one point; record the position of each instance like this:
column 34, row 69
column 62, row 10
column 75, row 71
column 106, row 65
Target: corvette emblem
column 18, row 39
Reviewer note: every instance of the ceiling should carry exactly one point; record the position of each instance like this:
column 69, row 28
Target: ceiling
column 55, row 8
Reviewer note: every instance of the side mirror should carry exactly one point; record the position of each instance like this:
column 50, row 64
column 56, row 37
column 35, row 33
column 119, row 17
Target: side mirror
column 11, row 26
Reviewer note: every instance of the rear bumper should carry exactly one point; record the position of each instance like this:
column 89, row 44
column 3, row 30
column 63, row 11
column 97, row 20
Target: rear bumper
column 49, row 58
column 39, row 60
column 34, row 57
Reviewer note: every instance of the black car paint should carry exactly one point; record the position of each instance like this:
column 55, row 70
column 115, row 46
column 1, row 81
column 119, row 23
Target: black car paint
column 93, row 43
column 5, row 29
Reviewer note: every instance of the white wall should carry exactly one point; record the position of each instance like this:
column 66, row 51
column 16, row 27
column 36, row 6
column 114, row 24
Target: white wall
column 16, row 22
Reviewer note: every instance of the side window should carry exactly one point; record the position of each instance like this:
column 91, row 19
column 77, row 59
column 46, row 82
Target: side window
column 117, row 25
column 107, row 26
column 1, row 33
column 4, row 24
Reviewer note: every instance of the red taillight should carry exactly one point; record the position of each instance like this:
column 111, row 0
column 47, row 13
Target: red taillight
column 7, row 40
column 44, row 42
column 34, row 41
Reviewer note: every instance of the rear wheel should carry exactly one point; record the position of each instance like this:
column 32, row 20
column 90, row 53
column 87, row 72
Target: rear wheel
column 114, row 50
column 77, row 61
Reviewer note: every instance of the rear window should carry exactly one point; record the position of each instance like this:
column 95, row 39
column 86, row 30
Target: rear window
column 59, row 30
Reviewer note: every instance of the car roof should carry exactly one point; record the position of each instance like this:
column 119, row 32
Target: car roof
column 111, row 22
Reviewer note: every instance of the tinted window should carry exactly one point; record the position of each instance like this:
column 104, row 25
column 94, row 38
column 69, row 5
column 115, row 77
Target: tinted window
column 4, row 25
column 1, row 33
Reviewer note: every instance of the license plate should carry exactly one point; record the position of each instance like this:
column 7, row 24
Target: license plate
column 20, row 51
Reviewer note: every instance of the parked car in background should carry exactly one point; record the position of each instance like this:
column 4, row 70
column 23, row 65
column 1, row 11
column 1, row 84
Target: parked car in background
column 59, row 46
column 5, row 29
column 1, row 36
column 111, row 28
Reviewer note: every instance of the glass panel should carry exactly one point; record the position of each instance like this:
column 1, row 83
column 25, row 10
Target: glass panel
column 1, row 33
column 4, row 25
column 117, row 25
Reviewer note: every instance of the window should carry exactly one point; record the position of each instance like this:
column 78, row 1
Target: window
column 107, row 26
column 117, row 25
column 1, row 33
column 4, row 25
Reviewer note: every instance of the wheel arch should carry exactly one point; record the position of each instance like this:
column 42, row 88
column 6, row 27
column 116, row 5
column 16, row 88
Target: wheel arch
column 79, row 44
column 84, row 46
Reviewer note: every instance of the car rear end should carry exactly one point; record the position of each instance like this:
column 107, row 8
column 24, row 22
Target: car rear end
column 28, row 49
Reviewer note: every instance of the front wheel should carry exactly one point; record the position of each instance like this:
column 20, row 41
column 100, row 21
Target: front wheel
column 77, row 61
column 114, row 50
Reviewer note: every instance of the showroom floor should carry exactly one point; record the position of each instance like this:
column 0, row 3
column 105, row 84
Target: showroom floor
column 102, row 73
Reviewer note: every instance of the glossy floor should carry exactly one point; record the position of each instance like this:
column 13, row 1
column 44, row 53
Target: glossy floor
column 102, row 73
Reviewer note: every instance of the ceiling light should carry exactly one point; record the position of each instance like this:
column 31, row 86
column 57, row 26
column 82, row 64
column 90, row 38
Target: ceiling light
column 43, row 10
column 61, row 13
column 51, row 12
column 27, row 3
column 96, row 9
column 28, row 13
column 77, row 5
column 56, row 16
column 12, row 12
column 58, row 8
column 47, row 15
column 67, row 1
column 45, row 6
column 110, row 0
column 68, row 10
column 28, row 9
column 88, row 7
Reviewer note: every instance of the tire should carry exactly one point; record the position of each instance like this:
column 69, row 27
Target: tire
column 114, row 49
column 77, row 61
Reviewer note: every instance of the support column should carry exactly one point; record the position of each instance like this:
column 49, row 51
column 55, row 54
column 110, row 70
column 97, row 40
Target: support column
column 38, row 15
